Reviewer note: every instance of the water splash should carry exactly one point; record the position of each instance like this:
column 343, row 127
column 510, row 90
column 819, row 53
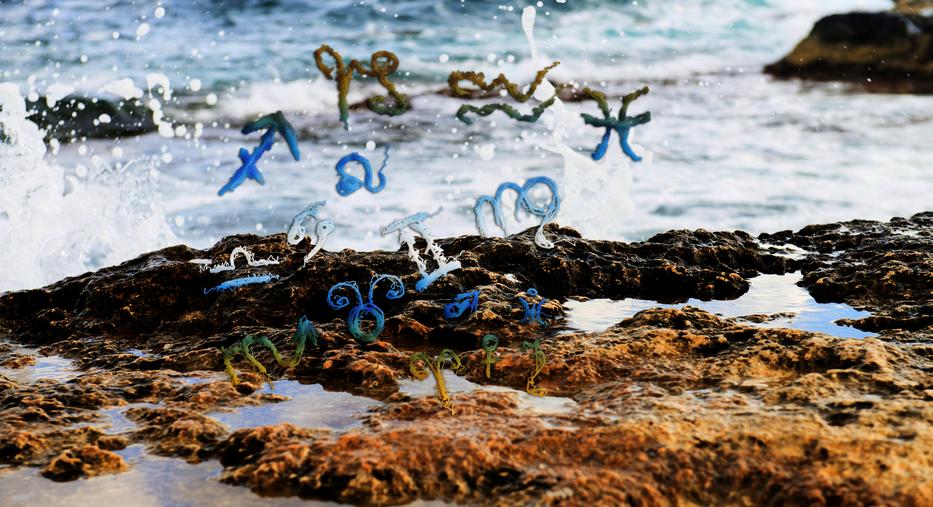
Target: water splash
column 58, row 222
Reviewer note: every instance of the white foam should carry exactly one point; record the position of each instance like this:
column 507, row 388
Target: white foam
column 57, row 224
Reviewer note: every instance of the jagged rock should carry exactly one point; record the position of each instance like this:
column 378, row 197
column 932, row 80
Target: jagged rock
column 74, row 117
column 86, row 461
column 879, row 51
column 668, row 406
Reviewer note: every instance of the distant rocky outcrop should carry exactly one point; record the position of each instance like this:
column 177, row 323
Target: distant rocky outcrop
column 74, row 117
column 879, row 51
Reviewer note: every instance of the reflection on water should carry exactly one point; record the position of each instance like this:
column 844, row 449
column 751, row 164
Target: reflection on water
column 152, row 481
column 46, row 367
column 768, row 294
column 308, row 406
column 458, row 384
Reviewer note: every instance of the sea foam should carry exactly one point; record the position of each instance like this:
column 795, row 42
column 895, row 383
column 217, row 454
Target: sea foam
column 57, row 222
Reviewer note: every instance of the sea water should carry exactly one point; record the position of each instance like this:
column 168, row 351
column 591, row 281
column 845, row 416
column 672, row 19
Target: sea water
column 727, row 148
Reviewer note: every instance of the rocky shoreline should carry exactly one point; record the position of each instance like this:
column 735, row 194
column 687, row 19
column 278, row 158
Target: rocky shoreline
column 670, row 406
column 888, row 52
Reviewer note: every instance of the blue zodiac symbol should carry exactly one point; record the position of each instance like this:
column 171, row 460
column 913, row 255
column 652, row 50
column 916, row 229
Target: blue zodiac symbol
column 623, row 124
column 462, row 303
column 354, row 320
column 349, row 183
column 239, row 282
column 274, row 123
column 523, row 202
column 533, row 313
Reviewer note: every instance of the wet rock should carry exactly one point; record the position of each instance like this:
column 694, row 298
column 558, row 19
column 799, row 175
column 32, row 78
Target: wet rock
column 670, row 405
column 87, row 461
column 76, row 117
column 177, row 432
column 878, row 51
column 884, row 267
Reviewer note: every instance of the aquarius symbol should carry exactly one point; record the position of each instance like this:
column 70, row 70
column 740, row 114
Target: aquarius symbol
column 479, row 79
column 539, row 357
column 323, row 229
column 381, row 64
column 523, row 202
column 510, row 111
column 303, row 334
column 623, row 124
column 273, row 123
column 436, row 368
column 490, row 343
column 462, row 303
column 407, row 237
column 250, row 261
column 349, row 183
column 354, row 320
column 533, row 313
column 240, row 282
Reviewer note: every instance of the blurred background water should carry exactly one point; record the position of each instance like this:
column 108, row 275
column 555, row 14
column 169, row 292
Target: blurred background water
column 727, row 148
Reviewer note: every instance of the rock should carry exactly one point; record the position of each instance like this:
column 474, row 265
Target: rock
column 667, row 406
column 878, row 51
column 87, row 461
column 75, row 117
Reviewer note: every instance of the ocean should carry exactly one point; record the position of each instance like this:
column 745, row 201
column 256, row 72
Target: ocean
column 727, row 147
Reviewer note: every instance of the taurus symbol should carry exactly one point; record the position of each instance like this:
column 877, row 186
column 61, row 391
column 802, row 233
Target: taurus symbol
column 354, row 320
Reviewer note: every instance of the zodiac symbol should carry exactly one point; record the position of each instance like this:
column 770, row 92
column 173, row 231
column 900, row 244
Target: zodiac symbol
column 250, row 261
column 354, row 320
column 539, row 357
column 533, row 313
column 407, row 237
column 479, row 79
column 490, row 343
column 462, row 303
column 512, row 113
column 303, row 334
column 323, row 229
column 239, row 282
column 523, row 202
column 381, row 65
column 436, row 368
column 623, row 124
column 349, row 183
column 273, row 123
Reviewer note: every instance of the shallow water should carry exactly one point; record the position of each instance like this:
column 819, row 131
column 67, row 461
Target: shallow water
column 729, row 148
column 545, row 405
column 53, row 367
column 151, row 481
column 308, row 406
column 767, row 294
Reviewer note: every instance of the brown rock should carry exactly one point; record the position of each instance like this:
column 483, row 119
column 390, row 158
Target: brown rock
column 86, row 461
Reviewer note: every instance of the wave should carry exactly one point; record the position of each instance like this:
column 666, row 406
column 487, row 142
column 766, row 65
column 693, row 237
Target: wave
column 57, row 221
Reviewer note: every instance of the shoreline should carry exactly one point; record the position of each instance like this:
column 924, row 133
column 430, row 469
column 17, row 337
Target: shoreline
column 661, row 405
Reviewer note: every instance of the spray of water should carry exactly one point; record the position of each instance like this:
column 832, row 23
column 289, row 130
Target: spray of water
column 596, row 193
column 57, row 222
